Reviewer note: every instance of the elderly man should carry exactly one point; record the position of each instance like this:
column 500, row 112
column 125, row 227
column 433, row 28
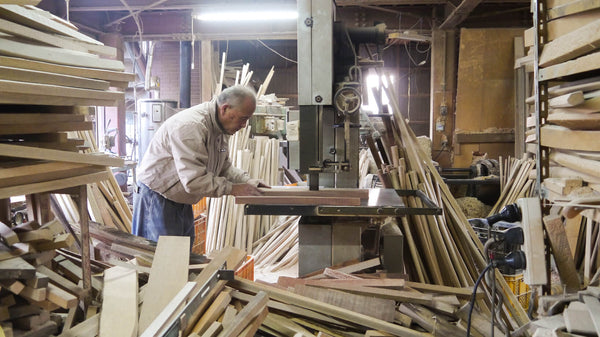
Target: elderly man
column 187, row 159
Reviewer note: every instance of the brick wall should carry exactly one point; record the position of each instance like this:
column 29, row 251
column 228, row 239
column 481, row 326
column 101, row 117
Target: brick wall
column 166, row 67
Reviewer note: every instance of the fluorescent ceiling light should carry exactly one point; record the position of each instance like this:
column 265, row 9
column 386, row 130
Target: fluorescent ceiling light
column 250, row 15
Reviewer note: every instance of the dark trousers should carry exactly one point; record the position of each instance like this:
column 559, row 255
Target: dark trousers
column 155, row 215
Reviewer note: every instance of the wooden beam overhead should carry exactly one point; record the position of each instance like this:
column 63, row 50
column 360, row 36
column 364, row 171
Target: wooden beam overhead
column 459, row 14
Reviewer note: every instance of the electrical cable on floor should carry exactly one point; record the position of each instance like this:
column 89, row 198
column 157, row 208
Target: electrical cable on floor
column 474, row 295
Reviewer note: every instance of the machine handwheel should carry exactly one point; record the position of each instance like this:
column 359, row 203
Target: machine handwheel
column 347, row 100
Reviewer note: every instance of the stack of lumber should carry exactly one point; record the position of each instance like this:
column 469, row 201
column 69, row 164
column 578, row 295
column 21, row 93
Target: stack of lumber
column 36, row 284
column 49, row 74
column 569, row 61
column 226, row 223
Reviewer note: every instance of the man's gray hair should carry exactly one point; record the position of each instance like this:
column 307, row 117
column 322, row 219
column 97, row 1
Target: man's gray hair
column 235, row 95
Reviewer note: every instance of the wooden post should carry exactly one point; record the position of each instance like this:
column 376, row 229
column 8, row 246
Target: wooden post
column 85, row 239
column 206, row 70
column 443, row 84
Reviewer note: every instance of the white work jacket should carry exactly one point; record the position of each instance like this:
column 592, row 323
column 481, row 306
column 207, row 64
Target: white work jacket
column 188, row 157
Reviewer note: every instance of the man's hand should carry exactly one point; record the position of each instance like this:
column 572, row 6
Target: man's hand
column 244, row 189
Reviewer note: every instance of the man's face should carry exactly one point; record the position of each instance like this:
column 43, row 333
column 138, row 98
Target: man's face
column 233, row 119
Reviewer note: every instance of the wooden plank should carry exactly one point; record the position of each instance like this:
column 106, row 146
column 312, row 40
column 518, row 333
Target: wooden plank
column 88, row 327
column 353, row 267
column 172, row 310
column 576, row 66
column 43, row 100
column 57, row 55
column 386, row 283
column 58, row 91
column 16, row 268
column 212, row 313
column 396, row 295
column 253, row 327
column 301, row 191
column 47, row 154
column 571, row 45
column 588, row 106
column 62, row 298
column 562, row 253
column 21, row 129
column 567, row 100
column 440, row 289
column 588, row 166
column 168, row 275
column 365, row 304
column 27, row 174
column 120, row 303
column 115, row 78
column 35, row 235
column 16, row 29
column 297, row 200
column 575, row 120
column 572, row 7
column 32, row 18
column 337, row 312
column 8, row 235
column 60, row 281
column 563, row 138
column 52, row 185
column 42, row 77
column 230, row 256
column 252, row 310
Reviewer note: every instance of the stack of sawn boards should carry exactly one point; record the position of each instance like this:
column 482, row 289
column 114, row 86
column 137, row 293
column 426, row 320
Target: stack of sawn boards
column 569, row 61
column 50, row 74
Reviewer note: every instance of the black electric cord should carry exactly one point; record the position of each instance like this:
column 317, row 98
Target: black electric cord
column 474, row 295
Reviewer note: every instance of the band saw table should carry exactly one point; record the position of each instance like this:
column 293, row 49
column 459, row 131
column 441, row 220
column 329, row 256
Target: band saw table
column 331, row 234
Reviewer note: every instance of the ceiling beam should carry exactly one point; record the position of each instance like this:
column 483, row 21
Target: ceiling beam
column 459, row 14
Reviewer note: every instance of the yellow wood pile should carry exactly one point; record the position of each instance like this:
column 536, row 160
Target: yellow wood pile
column 34, row 279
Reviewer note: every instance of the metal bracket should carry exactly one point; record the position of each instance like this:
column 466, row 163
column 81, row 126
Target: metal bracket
column 180, row 323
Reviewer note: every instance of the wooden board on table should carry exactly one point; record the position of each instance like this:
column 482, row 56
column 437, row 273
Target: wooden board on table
column 47, row 154
column 297, row 200
column 334, row 192
column 42, row 77
column 28, row 33
column 57, row 55
column 575, row 120
column 120, row 303
column 115, row 78
column 167, row 277
column 34, row 18
column 571, row 45
column 564, row 138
